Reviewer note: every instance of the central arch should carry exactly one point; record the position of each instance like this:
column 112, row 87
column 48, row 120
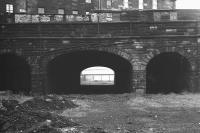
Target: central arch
column 168, row 72
column 63, row 72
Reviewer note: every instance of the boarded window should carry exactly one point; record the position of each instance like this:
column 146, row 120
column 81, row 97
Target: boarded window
column 61, row 11
column 75, row 12
column 40, row 10
column 109, row 4
column 88, row 1
column 22, row 10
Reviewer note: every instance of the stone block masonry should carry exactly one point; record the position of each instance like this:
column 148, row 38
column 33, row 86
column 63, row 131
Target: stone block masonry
column 134, row 43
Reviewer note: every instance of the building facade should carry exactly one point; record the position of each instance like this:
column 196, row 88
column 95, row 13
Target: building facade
column 79, row 10
column 136, row 4
column 80, row 6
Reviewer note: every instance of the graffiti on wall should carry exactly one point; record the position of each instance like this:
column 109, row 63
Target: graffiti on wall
column 22, row 18
column 25, row 18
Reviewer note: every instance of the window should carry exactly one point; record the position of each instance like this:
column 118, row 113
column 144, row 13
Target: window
column 141, row 4
column 97, row 76
column 145, row 4
column 40, row 10
column 154, row 5
column 9, row 8
column 75, row 12
column 88, row 1
column 126, row 4
column 171, row 30
column 109, row 4
column 153, row 27
column 61, row 11
column 22, row 10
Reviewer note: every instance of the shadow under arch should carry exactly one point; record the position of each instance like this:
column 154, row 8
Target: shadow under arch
column 15, row 74
column 63, row 72
column 168, row 72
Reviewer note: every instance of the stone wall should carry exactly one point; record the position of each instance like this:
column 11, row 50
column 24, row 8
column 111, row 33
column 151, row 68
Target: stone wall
column 40, row 43
column 136, row 42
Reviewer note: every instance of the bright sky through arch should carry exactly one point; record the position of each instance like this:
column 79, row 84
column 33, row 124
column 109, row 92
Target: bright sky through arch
column 98, row 70
column 188, row 4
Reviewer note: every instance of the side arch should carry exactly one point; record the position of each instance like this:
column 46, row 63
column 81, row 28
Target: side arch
column 15, row 73
column 168, row 72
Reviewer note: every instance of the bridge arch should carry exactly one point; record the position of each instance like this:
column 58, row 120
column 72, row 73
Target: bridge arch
column 72, row 62
column 15, row 73
column 168, row 72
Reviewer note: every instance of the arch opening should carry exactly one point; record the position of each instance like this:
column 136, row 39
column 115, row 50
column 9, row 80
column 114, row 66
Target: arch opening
column 168, row 73
column 97, row 75
column 65, row 71
column 15, row 74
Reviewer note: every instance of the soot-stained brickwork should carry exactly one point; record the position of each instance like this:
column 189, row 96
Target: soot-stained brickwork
column 126, row 47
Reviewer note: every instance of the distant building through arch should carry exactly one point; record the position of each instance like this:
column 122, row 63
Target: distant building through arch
column 97, row 75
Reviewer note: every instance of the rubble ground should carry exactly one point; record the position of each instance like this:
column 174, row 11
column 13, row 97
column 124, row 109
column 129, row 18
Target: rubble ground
column 108, row 113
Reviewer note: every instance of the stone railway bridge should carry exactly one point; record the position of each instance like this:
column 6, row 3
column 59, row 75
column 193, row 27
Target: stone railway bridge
column 158, row 55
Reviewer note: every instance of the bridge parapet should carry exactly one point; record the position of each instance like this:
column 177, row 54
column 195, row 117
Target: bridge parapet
column 135, row 23
column 101, row 30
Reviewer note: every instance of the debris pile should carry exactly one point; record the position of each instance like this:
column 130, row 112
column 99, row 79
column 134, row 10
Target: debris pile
column 96, row 130
column 48, row 103
column 35, row 115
